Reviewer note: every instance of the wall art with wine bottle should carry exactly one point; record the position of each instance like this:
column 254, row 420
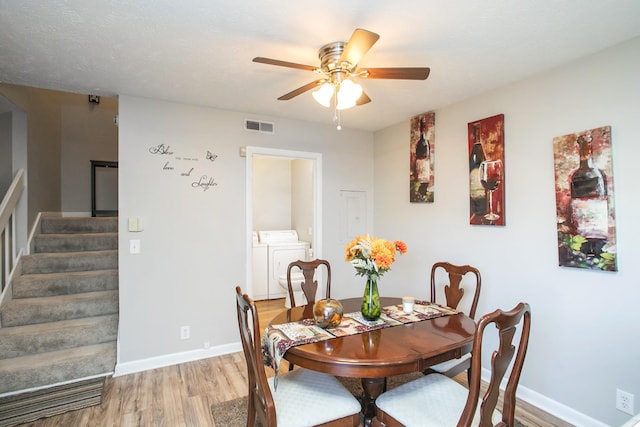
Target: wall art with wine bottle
column 584, row 200
column 486, row 171
column 422, row 149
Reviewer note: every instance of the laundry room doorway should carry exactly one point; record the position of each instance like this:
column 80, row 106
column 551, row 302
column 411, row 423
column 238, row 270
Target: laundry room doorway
column 283, row 192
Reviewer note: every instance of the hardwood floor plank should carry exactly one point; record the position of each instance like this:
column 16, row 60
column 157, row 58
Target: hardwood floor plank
column 197, row 412
column 181, row 395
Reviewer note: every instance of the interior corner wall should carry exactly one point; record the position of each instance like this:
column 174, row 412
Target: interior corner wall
column 271, row 193
column 88, row 133
column 193, row 249
column 6, row 168
column 42, row 109
column 583, row 343
column 302, row 199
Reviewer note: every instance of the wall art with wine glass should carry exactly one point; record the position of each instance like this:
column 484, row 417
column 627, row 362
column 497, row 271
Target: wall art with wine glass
column 422, row 149
column 486, row 171
column 584, row 200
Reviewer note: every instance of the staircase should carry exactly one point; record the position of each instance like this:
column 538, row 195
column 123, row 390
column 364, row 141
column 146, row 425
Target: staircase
column 58, row 332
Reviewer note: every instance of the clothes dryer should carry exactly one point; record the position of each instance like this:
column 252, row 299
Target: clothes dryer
column 283, row 247
column 260, row 272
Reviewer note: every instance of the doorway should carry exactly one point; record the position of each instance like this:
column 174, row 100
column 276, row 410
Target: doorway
column 314, row 232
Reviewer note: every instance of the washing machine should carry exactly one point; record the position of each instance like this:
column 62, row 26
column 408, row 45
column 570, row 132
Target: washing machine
column 283, row 247
column 260, row 275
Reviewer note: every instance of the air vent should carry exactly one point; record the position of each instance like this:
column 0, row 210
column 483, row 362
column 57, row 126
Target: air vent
column 257, row 126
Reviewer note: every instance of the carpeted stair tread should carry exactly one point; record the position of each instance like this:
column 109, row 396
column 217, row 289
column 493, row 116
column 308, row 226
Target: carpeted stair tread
column 20, row 341
column 24, row 311
column 58, row 225
column 59, row 329
column 69, row 261
column 51, row 284
column 75, row 242
column 38, row 370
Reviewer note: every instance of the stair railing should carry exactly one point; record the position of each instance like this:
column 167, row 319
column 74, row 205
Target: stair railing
column 8, row 251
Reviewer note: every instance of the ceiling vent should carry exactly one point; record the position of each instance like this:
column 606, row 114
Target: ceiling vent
column 257, row 126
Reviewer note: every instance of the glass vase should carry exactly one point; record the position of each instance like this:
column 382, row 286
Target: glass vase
column 371, row 299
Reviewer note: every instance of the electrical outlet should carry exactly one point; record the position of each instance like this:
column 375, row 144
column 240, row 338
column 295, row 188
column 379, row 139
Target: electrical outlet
column 185, row 332
column 624, row 401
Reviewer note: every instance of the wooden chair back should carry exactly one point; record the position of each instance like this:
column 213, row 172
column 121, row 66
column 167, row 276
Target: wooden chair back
column 453, row 292
column 506, row 323
column 260, row 399
column 309, row 286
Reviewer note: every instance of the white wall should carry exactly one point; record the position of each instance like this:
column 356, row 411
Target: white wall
column 283, row 195
column 302, row 198
column 42, row 144
column 88, row 133
column 271, row 193
column 6, row 169
column 193, row 247
column 584, row 341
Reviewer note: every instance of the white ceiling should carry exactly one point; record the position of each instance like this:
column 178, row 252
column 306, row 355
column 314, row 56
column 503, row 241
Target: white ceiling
column 199, row 51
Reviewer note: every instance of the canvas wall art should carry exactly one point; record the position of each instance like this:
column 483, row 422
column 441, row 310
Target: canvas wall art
column 486, row 171
column 584, row 200
column 422, row 149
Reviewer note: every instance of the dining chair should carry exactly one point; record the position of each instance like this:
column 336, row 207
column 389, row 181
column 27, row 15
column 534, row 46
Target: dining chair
column 454, row 291
column 302, row 397
column 309, row 286
column 437, row 400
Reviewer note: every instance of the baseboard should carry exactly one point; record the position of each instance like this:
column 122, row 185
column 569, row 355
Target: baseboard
column 65, row 214
column 557, row 409
column 551, row 406
column 126, row 368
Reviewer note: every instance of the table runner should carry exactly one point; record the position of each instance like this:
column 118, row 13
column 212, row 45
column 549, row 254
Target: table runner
column 277, row 339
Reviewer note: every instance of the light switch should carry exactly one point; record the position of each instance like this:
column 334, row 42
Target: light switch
column 134, row 246
column 135, row 224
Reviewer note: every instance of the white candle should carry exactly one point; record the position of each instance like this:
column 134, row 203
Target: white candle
column 407, row 304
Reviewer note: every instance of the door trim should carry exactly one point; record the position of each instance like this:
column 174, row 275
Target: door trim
column 316, row 242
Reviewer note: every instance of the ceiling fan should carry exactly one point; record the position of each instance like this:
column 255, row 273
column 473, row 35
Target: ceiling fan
column 338, row 66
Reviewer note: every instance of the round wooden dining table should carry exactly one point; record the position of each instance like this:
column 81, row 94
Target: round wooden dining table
column 381, row 353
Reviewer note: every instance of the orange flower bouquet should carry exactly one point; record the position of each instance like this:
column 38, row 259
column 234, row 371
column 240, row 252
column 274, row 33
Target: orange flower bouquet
column 372, row 257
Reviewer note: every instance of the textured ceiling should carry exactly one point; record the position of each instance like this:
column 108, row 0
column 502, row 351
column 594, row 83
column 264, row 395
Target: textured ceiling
column 199, row 51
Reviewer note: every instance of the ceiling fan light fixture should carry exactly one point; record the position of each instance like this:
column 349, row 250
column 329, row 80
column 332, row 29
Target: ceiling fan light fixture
column 324, row 94
column 348, row 94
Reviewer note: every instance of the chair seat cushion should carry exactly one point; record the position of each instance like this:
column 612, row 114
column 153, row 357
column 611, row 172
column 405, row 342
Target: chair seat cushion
column 430, row 401
column 306, row 398
column 445, row 366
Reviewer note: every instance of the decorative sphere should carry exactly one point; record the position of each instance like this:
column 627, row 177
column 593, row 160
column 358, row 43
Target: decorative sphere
column 327, row 312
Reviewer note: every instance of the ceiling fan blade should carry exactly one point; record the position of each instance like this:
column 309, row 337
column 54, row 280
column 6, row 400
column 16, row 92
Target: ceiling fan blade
column 395, row 73
column 279, row 63
column 301, row 89
column 359, row 44
column 364, row 99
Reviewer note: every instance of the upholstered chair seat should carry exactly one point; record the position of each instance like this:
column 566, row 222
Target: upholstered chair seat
column 309, row 398
column 434, row 400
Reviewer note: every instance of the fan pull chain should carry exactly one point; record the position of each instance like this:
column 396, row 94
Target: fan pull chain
column 336, row 112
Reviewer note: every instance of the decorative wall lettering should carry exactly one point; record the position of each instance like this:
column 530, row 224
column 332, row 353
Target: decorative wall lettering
column 161, row 149
column 205, row 182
